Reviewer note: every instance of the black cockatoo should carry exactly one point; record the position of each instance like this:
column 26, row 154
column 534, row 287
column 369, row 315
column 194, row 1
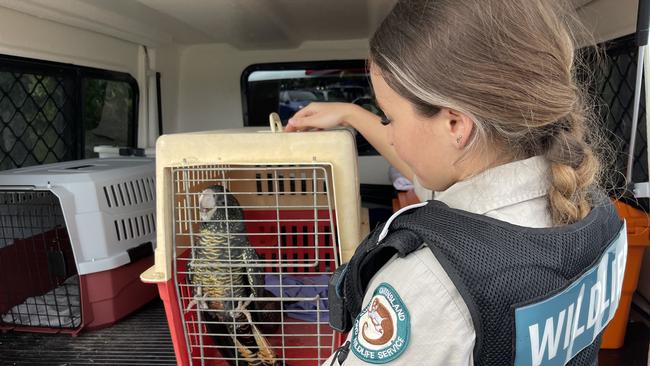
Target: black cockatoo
column 221, row 269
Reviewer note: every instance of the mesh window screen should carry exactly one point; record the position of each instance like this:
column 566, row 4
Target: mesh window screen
column 38, row 117
column 51, row 112
column 615, row 86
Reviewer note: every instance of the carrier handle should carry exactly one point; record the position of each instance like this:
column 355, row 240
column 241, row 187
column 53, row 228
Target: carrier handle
column 275, row 122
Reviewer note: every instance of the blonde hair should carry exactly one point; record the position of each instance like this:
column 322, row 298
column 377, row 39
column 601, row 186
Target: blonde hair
column 510, row 66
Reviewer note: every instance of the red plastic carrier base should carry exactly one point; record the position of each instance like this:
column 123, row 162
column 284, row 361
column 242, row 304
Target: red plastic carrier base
column 105, row 297
column 290, row 251
column 168, row 295
column 109, row 296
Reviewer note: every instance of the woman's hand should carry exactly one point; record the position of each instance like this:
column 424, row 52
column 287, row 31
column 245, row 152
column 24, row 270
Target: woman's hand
column 321, row 116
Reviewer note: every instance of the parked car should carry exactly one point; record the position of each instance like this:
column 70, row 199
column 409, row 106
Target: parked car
column 291, row 101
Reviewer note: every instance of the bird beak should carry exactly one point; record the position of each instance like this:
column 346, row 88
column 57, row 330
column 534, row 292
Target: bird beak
column 203, row 212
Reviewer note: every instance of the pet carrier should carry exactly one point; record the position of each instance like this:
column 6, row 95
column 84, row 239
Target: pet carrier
column 74, row 237
column 251, row 225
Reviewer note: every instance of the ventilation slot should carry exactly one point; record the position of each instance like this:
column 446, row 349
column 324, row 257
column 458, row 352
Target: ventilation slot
column 129, row 193
column 303, row 183
column 134, row 227
column 121, row 195
column 114, row 197
column 152, row 188
column 258, row 182
column 291, row 183
column 108, row 200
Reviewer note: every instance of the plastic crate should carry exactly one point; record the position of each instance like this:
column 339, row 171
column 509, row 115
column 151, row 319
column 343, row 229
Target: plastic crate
column 77, row 234
column 300, row 198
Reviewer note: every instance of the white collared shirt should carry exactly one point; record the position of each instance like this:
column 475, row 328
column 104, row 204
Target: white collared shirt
column 513, row 192
column 441, row 327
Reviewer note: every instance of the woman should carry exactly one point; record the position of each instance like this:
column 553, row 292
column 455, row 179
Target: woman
column 482, row 108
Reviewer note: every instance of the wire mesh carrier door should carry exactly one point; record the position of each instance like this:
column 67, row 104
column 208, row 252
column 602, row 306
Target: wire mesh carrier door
column 253, row 241
column 39, row 286
column 254, row 250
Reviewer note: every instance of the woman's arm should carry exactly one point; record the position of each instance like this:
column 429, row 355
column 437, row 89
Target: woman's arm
column 441, row 332
column 329, row 115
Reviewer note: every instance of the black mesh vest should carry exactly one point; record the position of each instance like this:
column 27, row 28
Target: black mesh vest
column 494, row 265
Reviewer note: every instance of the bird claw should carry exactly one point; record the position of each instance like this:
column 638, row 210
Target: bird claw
column 196, row 301
column 242, row 308
column 190, row 305
column 241, row 304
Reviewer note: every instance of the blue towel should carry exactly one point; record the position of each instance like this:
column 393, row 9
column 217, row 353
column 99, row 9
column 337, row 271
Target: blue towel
column 301, row 286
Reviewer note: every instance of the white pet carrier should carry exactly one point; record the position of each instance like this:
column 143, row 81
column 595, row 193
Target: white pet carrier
column 300, row 207
column 73, row 237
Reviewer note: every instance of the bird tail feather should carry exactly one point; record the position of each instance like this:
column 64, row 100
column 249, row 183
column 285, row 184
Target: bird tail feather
column 265, row 353
column 245, row 352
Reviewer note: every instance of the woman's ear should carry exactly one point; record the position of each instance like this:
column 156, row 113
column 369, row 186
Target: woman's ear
column 460, row 127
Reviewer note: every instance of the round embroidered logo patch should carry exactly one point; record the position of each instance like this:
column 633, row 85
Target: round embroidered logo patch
column 381, row 331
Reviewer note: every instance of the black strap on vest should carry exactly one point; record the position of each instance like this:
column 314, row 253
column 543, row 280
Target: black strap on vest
column 350, row 281
column 362, row 268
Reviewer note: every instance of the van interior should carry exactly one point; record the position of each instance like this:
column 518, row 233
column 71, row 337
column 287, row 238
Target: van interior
column 82, row 79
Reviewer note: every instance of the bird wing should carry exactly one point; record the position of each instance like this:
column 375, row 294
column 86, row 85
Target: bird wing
column 254, row 274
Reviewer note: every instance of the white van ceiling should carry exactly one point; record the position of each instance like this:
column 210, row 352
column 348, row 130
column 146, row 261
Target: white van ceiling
column 261, row 24
column 277, row 23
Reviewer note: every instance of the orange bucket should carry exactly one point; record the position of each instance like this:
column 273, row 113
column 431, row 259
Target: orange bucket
column 638, row 237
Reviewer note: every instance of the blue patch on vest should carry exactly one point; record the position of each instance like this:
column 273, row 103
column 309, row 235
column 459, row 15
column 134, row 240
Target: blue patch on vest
column 553, row 331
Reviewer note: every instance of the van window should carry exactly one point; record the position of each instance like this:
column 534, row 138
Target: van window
column 615, row 82
column 51, row 112
column 108, row 113
column 286, row 88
